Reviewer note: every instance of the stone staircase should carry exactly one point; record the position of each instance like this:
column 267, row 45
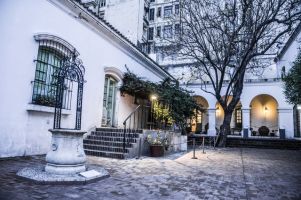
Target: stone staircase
column 108, row 142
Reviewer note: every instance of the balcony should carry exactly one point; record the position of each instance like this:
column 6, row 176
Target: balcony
column 264, row 80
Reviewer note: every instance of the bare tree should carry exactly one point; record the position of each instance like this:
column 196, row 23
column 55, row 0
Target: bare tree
column 225, row 39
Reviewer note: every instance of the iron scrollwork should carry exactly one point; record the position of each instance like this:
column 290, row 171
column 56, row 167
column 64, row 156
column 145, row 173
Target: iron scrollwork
column 72, row 70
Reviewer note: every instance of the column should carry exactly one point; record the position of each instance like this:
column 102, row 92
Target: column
column 211, row 120
column 299, row 111
column 246, row 121
column 286, row 121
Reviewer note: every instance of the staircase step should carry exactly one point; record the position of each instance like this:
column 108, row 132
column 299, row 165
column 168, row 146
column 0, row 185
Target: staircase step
column 104, row 148
column 120, row 130
column 115, row 134
column 112, row 139
column 107, row 143
column 105, row 154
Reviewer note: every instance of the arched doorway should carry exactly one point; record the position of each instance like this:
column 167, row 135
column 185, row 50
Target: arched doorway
column 200, row 123
column 109, row 101
column 236, row 120
column 264, row 116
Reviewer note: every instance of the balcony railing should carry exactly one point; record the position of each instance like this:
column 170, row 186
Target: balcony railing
column 265, row 80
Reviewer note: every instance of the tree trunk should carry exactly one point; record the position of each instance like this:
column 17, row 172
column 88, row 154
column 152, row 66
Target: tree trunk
column 225, row 128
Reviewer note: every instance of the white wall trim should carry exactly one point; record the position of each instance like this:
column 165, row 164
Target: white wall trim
column 45, row 109
column 115, row 72
column 57, row 39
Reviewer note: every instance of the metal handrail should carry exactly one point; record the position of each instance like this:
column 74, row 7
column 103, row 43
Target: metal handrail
column 124, row 122
column 129, row 118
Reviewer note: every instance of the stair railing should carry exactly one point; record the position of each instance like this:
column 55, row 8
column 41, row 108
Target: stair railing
column 137, row 119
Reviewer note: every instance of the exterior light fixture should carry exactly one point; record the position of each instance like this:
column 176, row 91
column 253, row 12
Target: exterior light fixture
column 299, row 107
column 153, row 97
column 217, row 111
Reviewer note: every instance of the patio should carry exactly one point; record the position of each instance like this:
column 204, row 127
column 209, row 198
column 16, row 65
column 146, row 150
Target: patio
column 230, row 173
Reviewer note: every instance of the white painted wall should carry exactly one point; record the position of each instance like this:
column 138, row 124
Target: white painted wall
column 24, row 132
column 290, row 55
column 127, row 17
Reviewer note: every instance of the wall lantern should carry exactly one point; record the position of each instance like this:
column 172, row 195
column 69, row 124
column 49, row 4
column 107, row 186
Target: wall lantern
column 153, row 97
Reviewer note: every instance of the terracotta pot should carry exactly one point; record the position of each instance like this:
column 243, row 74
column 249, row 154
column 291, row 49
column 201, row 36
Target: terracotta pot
column 157, row 150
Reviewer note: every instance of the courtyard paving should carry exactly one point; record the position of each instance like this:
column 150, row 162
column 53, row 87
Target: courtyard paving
column 230, row 173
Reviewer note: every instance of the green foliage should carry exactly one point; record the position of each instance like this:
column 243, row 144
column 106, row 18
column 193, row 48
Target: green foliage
column 45, row 100
column 173, row 104
column 135, row 86
column 292, row 82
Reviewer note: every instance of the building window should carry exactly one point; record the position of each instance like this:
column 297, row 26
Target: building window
column 158, row 34
column 150, row 33
column 167, row 11
column 238, row 114
column 50, row 59
column 101, row 3
column 159, row 12
column 151, row 14
column 109, row 101
column 177, row 29
column 177, row 9
column 167, row 31
column 152, row 1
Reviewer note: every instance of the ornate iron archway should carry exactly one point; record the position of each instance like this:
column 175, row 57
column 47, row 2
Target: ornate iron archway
column 71, row 70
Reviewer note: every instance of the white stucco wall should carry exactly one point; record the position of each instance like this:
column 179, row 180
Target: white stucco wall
column 24, row 132
column 290, row 54
column 127, row 17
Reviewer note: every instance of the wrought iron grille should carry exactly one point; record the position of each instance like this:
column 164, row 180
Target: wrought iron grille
column 71, row 71
column 49, row 60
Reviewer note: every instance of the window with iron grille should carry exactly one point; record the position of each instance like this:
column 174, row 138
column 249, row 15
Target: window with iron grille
column 151, row 33
column 151, row 14
column 167, row 31
column 167, row 11
column 158, row 34
column 177, row 29
column 159, row 12
column 177, row 9
column 50, row 58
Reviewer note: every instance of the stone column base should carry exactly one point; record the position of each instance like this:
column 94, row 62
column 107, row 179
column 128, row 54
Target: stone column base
column 64, row 169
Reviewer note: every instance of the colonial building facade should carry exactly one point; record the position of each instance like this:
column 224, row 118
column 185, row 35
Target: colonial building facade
column 36, row 37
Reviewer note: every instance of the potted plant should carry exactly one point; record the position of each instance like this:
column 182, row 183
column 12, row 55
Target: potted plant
column 158, row 144
column 264, row 131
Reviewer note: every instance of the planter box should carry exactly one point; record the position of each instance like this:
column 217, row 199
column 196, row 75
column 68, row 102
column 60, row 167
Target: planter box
column 156, row 150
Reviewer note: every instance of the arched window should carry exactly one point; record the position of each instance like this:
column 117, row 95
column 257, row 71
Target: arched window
column 51, row 54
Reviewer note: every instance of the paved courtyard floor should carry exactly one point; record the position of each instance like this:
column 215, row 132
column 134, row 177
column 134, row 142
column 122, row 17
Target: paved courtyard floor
column 230, row 173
